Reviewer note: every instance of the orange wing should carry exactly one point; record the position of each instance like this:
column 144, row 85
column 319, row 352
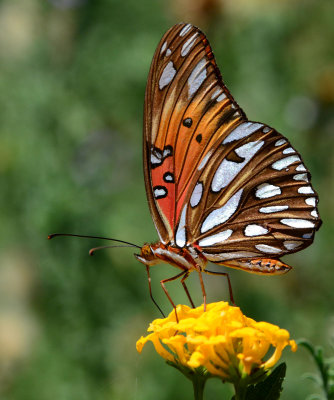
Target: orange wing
column 188, row 110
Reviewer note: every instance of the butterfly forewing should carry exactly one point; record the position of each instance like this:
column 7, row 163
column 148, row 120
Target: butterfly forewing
column 187, row 111
column 231, row 187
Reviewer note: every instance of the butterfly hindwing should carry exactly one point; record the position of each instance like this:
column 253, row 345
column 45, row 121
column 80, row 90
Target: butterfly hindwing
column 255, row 200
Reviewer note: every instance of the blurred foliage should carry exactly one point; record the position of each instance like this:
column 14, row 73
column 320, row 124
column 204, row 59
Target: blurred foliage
column 72, row 82
column 325, row 376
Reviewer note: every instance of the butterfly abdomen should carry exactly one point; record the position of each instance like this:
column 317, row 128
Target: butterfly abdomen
column 263, row 266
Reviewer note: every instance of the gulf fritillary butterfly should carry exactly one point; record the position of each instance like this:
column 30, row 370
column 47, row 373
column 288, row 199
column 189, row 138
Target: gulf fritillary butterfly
column 220, row 188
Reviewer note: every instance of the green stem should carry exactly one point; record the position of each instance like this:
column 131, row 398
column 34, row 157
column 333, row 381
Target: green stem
column 240, row 390
column 198, row 385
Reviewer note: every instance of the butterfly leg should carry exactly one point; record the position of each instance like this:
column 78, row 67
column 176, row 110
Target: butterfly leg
column 186, row 289
column 150, row 290
column 228, row 281
column 202, row 286
column 162, row 283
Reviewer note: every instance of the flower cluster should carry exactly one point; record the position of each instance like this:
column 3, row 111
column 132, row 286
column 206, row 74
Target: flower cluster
column 222, row 339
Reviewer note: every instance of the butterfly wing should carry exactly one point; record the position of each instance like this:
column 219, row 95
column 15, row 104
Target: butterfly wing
column 253, row 198
column 235, row 189
column 188, row 110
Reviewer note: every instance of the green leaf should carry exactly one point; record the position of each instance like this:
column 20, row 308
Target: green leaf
column 270, row 388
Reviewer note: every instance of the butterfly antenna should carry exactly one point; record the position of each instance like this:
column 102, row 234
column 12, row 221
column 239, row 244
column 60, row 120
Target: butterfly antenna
column 93, row 237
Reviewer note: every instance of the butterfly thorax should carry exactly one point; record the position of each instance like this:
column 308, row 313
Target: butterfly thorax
column 187, row 258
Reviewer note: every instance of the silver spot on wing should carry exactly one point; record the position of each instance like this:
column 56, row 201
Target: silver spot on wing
column 167, row 75
column 214, row 239
column 284, row 162
column 222, row 214
column 255, row 230
column 243, row 130
column 196, row 195
column 266, row 190
column 196, row 77
column 297, row 223
column 188, row 45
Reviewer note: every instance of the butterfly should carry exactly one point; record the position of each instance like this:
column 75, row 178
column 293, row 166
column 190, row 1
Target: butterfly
column 220, row 188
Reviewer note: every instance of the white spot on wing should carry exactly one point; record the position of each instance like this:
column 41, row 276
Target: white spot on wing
column 230, row 256
column 266, row 190
column 180, row 237
column 292, row 244
column 314, row 213
column 196, row 195
column 280, row 142
column 297, row 223
column 311, row 201
column 188, row 45
column 300, row 177
column 301, row 167
column 228, row 170
column 216, row 93
column 272, row 209
column 155, row 159
column 268, row 249
column 163, row 47
column 185, row 29
column 160, row 192
column 214, row 239
column 168, row 178
column 243, row 130
column 222, row 214
column 266, row 129
column 197, row 77
column 168, row 52
column 305, row 190
column 205, row 160
column 289, row 150
column 167, row 75
column 221, row 97
column 167, row 152
column 308, row 235
column 284, row 162
column 255, row 230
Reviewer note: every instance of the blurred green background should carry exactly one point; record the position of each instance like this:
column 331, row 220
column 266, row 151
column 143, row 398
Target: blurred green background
column 72, row 82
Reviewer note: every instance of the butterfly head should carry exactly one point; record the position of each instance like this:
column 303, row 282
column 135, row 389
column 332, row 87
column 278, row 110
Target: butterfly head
column 147, row 255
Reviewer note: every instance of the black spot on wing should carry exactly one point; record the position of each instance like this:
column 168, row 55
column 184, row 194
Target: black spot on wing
column 187, row 122
column 199, row 138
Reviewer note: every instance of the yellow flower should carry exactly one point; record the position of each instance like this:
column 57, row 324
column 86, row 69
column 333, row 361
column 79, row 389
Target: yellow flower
column 222, row 339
